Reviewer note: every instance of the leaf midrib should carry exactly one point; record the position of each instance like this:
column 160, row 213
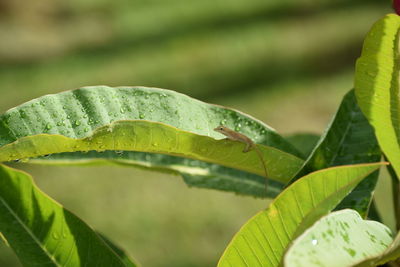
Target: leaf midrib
column 31, row 234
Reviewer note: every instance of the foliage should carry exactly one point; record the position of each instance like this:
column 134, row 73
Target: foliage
column 265, row 237
column 341, row 237
column 42, row 232
column 171, row 132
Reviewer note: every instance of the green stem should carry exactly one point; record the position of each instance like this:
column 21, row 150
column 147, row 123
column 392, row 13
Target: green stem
column 395, row 195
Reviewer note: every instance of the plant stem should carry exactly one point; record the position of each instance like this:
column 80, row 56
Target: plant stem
column 395, row 195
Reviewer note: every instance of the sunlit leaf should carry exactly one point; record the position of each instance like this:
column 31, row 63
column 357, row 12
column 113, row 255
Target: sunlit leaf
column 140, row 119
column 341, row 238
column 390, row 254
column 264, row 238
column 377, row 85
column 41, row 232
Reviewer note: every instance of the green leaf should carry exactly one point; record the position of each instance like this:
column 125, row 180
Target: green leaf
column 119, row 251
column 264, row 238
column 304, row 142
column 342, row 238
column 390, row 254
column 42, row 232
column 349, row 139
column 3, row 239
column 195, row 173
column 140, row 119
column 377, row 85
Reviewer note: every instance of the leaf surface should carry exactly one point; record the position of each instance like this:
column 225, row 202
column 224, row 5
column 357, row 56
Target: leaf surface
column 377, row 85
column 42, row 232
column 140, row 119
column 264, row 238
column 391, row 253
column 349, row 139
column 342, row 238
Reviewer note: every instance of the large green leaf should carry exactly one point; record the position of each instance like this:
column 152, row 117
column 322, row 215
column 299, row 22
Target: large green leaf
column 42, row 232
column 391, row 253
column 349, row 139
column 194, row 172
column 140, row 119
column 377, row 85
column 264, row 238
column 119, row 251
column 341, row 239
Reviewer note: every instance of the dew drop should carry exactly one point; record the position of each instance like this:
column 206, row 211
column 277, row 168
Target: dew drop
column 314, row 242
column 122, row 110
column 77, row 123
column 55, row 236
column 141, row 116
column 48, row 126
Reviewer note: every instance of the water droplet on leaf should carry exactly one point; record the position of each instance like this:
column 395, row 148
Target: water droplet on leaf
column 55, row 236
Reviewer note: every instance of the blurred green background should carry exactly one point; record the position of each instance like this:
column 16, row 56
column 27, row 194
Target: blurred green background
column 286, row 62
